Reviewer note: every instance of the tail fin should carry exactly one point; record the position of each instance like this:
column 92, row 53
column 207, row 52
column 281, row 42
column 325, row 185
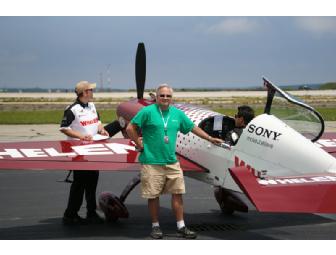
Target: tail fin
column 304, row 194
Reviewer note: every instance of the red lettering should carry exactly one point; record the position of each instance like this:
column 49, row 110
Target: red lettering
column 89, row 122
column 239, row 162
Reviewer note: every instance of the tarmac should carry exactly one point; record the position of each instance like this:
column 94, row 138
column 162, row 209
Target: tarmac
column 51, row 132
column 33, row 202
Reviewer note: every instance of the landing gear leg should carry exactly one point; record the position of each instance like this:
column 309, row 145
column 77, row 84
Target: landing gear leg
column 228, row 201
column 113, row 206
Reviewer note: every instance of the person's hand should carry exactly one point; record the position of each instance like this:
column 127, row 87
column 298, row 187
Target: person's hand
column 103, row 132
column 139, row 144
column 215, row 140
column 87, row 138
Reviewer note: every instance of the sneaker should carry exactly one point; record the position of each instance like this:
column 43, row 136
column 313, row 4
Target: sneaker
column 94, row 218
column 186, row 233
column 73, row 221
column 156, row 233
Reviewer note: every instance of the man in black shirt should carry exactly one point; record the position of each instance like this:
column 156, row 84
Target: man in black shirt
column 244, row 115
column 81, row 121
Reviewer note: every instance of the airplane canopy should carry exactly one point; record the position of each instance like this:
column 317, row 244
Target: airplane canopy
column 294, row 112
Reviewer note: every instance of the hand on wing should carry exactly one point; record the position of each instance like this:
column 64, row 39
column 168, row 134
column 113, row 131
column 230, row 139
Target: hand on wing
column 104, row 132
column 87, row 138
column 215, row 140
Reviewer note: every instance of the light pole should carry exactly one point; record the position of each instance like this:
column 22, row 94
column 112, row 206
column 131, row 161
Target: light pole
column 108, row 74
column 101, row 81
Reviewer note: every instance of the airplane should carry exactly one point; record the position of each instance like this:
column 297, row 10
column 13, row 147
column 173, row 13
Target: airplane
column 282, row 162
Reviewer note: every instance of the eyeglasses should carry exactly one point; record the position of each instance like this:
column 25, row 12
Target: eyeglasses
column 162, row 96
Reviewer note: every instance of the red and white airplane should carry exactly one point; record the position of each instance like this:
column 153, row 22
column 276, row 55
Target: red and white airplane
column 283, row 161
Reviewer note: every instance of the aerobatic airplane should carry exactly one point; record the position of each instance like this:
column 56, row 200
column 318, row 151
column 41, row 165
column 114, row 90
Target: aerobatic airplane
column 282, row 162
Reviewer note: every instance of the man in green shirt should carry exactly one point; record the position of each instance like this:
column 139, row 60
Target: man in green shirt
column 161, row 172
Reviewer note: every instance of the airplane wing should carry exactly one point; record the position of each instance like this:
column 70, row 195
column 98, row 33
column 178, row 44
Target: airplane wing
column 306, row 194
column 115, row 154
column 328, row 143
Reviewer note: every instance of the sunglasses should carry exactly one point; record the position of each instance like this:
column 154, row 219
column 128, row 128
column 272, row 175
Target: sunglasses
column 162, row 96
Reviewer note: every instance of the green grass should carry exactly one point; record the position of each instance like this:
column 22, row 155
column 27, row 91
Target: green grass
column 233, row 111
column 329, row 114
column 45, row 117
column 55, row 116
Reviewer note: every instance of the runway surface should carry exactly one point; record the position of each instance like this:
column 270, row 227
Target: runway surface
column 33, row 202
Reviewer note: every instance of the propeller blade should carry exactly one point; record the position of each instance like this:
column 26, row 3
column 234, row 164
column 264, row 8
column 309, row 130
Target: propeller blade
column 140, row 70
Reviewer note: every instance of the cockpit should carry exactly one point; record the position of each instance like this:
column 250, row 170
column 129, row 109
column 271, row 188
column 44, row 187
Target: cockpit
column 218, row 126
column 295, row 113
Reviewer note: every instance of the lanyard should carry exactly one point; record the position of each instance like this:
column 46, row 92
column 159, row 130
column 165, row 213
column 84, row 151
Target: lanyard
column 165, row 123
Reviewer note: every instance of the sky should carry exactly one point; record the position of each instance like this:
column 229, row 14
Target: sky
column 184, row 51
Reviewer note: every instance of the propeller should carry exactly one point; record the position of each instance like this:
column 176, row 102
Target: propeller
column 140, row 69
column 140, row 77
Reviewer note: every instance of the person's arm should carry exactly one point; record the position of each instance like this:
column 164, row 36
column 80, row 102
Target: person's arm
column 134, row 136
column 102, row 131
column 200, row 133
column 74, row 134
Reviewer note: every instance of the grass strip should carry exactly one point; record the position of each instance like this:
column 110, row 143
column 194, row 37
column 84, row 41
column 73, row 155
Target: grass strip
column 45, row 116
column 107, row 116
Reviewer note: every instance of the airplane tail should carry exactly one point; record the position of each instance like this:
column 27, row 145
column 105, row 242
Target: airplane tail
column 303, row 194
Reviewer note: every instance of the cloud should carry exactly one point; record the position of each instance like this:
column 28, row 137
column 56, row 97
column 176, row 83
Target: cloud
column 233, row 26
column 317, row 25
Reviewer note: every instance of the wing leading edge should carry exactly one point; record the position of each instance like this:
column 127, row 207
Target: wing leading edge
column 305, row 194
column 115, row 154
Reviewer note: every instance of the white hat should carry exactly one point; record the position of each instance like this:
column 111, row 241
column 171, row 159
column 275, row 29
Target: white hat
column 84, row 85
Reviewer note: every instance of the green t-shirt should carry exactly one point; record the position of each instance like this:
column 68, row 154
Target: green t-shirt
column 149, row 119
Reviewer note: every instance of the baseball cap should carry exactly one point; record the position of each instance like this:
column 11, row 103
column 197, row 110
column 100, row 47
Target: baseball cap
column 84, row 85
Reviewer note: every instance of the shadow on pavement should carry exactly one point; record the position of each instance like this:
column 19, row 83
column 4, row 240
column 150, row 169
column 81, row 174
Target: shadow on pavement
column 211, row 225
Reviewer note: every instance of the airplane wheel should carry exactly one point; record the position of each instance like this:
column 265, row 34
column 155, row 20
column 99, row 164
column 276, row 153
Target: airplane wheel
column 222, row 198
column 112, row 207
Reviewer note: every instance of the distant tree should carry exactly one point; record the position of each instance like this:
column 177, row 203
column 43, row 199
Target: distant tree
column 328, row 85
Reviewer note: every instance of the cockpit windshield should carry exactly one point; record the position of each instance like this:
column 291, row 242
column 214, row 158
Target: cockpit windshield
column 297, row 114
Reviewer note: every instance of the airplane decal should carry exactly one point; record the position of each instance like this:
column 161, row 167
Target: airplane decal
column 314, row 195
column 80, row 150
column 239, row 162
column 259, row 142
column 298, row 180
column 260, row 131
